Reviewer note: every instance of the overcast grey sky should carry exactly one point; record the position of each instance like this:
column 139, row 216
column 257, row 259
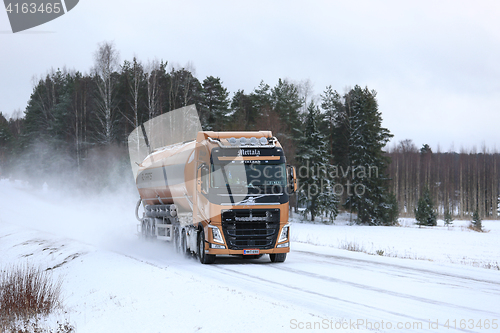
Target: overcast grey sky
column 435, row 64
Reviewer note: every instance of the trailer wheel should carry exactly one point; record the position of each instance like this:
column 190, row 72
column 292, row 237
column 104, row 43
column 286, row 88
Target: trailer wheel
column 204, row 258
column 144, row 230
column 177, row 240
column 151, row 229
column 277, row 257
column 147, row 229
column 184, row 248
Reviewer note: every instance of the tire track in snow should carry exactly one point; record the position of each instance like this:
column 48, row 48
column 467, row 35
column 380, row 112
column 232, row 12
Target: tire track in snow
column 398, row 267
column 257, row 279
column 383, row 291
column 451, row 280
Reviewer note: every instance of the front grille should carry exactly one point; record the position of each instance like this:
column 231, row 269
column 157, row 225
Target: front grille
column 250, row 228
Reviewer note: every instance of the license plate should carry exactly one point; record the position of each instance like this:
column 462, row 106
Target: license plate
column 252, row 251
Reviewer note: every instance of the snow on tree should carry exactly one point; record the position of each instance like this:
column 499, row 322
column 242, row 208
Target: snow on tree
column 498, row 210
column 367, row 185
column 476, row 221
column 316, row 190
column 335, row 126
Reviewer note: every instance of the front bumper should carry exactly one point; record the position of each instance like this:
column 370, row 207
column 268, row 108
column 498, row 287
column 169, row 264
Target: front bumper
column 240, row 252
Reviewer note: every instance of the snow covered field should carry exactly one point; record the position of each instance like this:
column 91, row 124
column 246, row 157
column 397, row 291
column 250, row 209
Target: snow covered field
column 114, row 282
column 455, row 244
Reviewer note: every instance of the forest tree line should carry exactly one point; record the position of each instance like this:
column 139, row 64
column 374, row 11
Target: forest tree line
column 458, row 182
column 73, row 118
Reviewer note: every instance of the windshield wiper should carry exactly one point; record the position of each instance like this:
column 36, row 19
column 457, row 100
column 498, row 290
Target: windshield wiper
column 227, row 185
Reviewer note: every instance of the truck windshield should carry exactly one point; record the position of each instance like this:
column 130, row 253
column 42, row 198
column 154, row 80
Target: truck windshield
column 255, row 175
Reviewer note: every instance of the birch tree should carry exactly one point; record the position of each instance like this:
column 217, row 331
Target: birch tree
column 152, row 74
column 105, row 66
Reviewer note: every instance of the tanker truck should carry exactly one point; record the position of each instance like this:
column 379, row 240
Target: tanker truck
column 216, row 193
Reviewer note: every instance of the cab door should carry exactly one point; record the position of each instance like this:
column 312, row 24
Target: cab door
column 202, row 188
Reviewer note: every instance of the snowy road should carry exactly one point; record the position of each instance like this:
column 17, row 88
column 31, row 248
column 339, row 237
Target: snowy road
column 366, row 291
column 114, row 281
column 324, row 288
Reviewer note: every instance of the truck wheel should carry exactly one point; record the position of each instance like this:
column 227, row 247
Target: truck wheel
column 177, row 240
column 144, row 230
column 184, row 249
column 147, row 229
column 204, row 258
column 151, row 229
column 277, row 257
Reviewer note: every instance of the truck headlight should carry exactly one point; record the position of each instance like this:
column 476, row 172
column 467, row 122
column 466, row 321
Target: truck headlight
column 216, row 234
column 284, row 233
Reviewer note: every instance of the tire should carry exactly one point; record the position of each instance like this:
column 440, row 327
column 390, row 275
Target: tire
column 147, row 228
column 204, row 258
column 277, row 257
column 144, row 231
column 152, row 228
column 177, row 240
column 184, row 249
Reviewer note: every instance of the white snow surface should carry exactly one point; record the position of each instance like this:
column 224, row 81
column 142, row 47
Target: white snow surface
column 115, row 282
column 455, row 243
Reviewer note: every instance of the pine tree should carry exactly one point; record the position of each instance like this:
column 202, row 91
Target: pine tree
column 287, row 103
column 316, row 188
column 244, row 114
column 389, row 212
column 448, row 218
column 367, row 187
column 261, row 98
column 425, row 149
column 476, row 221
column 335, row 126
column 5, row 133
column 214, row 104
column 424, row 213
column 6, row 138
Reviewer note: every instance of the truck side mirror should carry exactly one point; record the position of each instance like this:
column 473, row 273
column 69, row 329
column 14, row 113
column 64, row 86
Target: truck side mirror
column 292, row 178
